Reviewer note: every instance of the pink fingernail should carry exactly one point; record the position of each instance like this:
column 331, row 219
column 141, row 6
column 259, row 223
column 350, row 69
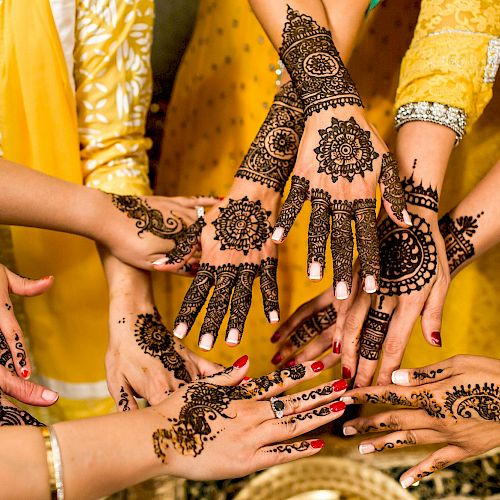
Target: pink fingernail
column 233, row 336
column 206, row 342
column 49, row 396
column 274, row 317
column 407, row 218
column 278, row 234
column 341, row 291
column 181, row 330
column 315, row 271
column 370, row 284
column 349, row 431
column 364, row 449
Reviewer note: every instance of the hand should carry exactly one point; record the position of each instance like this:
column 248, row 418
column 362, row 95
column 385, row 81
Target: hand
column 455, row 402
column 210, row 419
column 12, row 344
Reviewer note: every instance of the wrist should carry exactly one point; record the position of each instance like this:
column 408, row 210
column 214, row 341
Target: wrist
column 269, row 198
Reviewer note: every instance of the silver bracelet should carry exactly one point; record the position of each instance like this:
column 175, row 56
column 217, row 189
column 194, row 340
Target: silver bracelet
column 56, row 453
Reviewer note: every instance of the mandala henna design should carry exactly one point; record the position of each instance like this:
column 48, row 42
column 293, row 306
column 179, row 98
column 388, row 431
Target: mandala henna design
column 315, row 66
column 11, row 415
column 21, row 353
column 342, row 242
column 299, row 192
column 419, row 196
column 373, row 334
column 185, row 241
column 473, row 401
column 155, row 340
column 147, row 218
column 290, row 448
column 393, row 191
column 314, row 326
column 345, row 150
column 269, row 286
column 366, row 237
column 408, row 257
column 242, row 225
column 271, row 157
column 319, row 226
column 457, row 235
column 5, row 354
column 123, row 402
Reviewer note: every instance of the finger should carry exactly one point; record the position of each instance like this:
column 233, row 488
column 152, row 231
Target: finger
column 231, row 376
column 14, row 338
column 26, row 391
column 269, row 289
column 319, row 230
column 124, row 399
column 225, row 277
column 275, row 454
column 27, row 287
column 299, row 191
column 392, row 192
column 367, row 243
column 427, row 374
column 342, row 245
column 330, row 359
column 440, row 459
column 194, row 300
column 5, row 354
column 315, row 348
column 241, row 302
column 389, row 395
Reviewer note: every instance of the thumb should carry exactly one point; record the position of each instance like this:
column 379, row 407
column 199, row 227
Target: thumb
column 233, row 375
column 432, row 312
column 28, row 287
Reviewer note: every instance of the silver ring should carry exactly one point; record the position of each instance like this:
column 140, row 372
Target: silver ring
column 277, row 406
column 200, row 212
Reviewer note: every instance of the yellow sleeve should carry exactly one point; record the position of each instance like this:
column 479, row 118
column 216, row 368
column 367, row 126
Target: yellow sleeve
column 113, row 92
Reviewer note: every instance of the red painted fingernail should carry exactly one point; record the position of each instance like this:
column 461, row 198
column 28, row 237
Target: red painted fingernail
column 317, row 443
column 339, row 385
column 436, row 338
column 25, row 373
column 317, row 366
column 277, row 359
column 220, row 197
column 290, row 363
column 46, row 278
column 336, row 347
column 276, row 336
column 195, row 267
column 346, row 373
column 246, row 379
column 240, row 363
column 337, row 406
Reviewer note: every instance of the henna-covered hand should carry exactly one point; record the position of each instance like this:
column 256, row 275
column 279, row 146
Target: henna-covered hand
column 455, row 402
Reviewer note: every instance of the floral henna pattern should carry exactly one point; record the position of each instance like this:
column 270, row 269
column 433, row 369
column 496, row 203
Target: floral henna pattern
column 312, row 395
column 148, row 219
column 366, row 237
column 345, row 150
column 242, row 225
column 299, row 192
column 319, row 226
column 315, row 66
column 314, row 326
column 393, row 191
column 186, row 241
column 271, row 157
column 268, row 285
column 471, row 401
column 373, row 334
column 155, row 340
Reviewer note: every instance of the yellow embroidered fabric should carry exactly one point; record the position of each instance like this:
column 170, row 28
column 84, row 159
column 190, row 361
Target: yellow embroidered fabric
column 448, row 55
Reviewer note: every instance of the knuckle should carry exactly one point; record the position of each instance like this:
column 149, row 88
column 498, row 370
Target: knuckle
column 439, row 464
column 410, row 437
column 394, row 346
column 291, row 426
column 393, row 423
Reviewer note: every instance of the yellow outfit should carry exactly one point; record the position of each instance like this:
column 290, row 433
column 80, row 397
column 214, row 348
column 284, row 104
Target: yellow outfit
column 93, row 134
column 224, row 86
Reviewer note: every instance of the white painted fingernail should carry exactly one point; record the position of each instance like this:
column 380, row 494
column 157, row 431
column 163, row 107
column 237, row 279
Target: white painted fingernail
column 370, row 284
column 400, row 377
column 315, row 271
column 407, row 218
column 349, row 431
column 364, row 449
column 347, row 400
column 206, row 342
column 341, row 291
column 181, row 330
column 160, row 262
column 416, row 483
column 233, row 336
column 278, row 234
column 407, row 482
column 274, row 317
column 49, row 396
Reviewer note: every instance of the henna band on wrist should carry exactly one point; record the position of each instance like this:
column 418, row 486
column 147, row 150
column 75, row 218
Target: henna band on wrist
column 54, row 463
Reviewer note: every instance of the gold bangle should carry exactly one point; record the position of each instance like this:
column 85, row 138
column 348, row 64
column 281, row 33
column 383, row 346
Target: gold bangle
column 50, row 462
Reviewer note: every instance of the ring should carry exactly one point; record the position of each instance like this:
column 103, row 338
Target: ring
column 200, row 212
column 277, row 406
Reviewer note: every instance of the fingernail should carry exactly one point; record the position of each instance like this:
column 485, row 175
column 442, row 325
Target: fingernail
column 336, row 347
column 317, row 366
column 241, row 362
column 407, row 218
column 349, row 431
column 339, row 385
column 364, row 449
column 400, row 377
column 25, row 373
column 370, row 284
column 346, row 373
column 347, row 400
column 49, row 396
column 290, row 363
column 233, row 336
column 276, row 336
column 46, row 278
column 436, row 338
column 315, row 271
column 407, row 482
column 206, row 342
column 416, row 483
column 337, row 406
column 278, row 234
column 160, row 262
column 181, row 330
column 317, row 443
column 195, row 267
column 246, row 379
column 277, row 359
column 341, row 291
column 274, row 317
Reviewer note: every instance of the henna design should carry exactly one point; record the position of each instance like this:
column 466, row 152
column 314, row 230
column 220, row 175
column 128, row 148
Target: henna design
column 373, row 334
column 319, row 226
column 314, row 326
column 124, row 400
column 393, row 191
column 408, row 257
column 5, row 354
column 155, row 340
column 474, row 401
column 315, row 66
column 8, row 307
column 457, row 234
column 271, row 157
column 312, row 395
column 318, row 412
column 399, row 442
column 148, row 219
column 418, row 195
column 268, row 285
column 290, row 448
column 259, row 386
column 242, row 225
column 342, row 243
column 299, row 192
column 418, row 375
column 185, row 241
column 11, row 415
column 366, row 237
column 21, row 353
column 345, row 150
